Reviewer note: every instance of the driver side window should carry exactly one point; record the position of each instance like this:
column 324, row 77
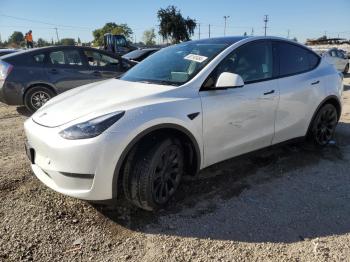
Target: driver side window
column 97, row 59
column 253, row 62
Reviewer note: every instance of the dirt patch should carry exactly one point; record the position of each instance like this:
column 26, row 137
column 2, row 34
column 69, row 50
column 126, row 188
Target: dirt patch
column 290, row 203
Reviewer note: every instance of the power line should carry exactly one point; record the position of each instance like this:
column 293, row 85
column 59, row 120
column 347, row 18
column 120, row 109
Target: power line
column 42, row 22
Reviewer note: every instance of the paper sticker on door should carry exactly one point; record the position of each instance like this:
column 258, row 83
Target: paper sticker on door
column 196, row 58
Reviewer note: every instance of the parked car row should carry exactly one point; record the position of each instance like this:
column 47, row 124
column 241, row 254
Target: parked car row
column 32, row 77
column 182, row 109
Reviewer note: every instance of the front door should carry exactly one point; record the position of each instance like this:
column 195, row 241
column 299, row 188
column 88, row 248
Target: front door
column 102, row 65
column 239, row 120
column 66, row 70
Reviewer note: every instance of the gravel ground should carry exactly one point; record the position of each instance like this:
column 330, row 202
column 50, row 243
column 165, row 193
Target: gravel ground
column 290, row 203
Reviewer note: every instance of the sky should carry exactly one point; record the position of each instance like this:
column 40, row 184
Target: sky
column 78, row 18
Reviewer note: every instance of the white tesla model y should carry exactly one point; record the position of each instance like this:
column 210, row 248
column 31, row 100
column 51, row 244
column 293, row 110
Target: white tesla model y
column 182, row 109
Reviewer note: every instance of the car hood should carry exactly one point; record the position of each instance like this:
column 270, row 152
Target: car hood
column 102, row 97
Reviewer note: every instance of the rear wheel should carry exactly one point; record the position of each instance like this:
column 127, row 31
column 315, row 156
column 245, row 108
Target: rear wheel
column 36, row 97
column 153, row 173
column 324, row 124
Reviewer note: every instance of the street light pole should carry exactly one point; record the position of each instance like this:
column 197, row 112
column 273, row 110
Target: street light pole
column 225, row 18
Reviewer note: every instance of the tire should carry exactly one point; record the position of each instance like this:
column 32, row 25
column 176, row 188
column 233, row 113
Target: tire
column 153, row 172
column 323, row 125
column 36, row 97
column 346, row 69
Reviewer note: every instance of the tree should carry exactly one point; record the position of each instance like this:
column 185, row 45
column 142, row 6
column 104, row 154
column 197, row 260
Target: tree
column 245, row 34
column 295, row 39
column 149, row 37
column 16, row 38
column 41, row 42
column 174, row 26
column 3, row 44
column 79, row 41
column 113, row 28
column 67, row 41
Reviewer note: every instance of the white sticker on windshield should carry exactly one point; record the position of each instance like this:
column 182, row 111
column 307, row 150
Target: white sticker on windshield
column 196, row 58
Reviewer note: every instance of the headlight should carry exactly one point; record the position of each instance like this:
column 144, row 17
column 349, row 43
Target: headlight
column 91, row 128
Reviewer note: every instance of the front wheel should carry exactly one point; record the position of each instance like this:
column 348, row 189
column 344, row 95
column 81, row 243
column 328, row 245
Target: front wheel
column 153, row 173
column 36, row 97
column 324, row 124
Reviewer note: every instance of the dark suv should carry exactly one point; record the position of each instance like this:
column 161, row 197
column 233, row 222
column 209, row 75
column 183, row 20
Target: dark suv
column 33, row 77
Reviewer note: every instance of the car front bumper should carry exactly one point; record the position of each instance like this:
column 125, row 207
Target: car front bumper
column 82, row 169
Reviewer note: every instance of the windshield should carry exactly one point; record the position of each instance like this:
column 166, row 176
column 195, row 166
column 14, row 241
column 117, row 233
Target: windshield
column 174, row 65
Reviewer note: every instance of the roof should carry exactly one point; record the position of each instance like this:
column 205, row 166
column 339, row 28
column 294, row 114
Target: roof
column 228, row 40
column 8, row 49
column 37, row 50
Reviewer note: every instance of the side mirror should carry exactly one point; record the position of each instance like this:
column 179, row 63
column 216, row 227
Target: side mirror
column 227, row 79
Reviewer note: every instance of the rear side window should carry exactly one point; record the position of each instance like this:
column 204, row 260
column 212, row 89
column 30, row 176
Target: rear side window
column 294, row 59
column 65, row 57
column 313, row 60
column 57, row 58
column 39, row 58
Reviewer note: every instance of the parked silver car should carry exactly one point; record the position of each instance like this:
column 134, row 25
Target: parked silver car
column 337, row 57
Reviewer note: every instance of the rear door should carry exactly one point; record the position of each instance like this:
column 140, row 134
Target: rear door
column 300, row 88
column 66, row 69
column 103, row 65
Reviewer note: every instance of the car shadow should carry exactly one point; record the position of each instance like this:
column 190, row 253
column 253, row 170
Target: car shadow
column 23, row 111
column 281, row 194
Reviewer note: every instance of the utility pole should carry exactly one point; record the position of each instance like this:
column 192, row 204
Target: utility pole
column 199, row 31
column 288, row 34
column 58, row 40
column 252, row 32
column 209, row 31
column 225, row 18
column 266, row 19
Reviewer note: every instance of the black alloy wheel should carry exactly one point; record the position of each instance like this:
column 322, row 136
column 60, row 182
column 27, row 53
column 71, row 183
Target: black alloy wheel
column 324, row 124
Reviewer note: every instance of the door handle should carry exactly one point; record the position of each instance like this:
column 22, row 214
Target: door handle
column 53, row 71
column 269, row 93
column 315, row 83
